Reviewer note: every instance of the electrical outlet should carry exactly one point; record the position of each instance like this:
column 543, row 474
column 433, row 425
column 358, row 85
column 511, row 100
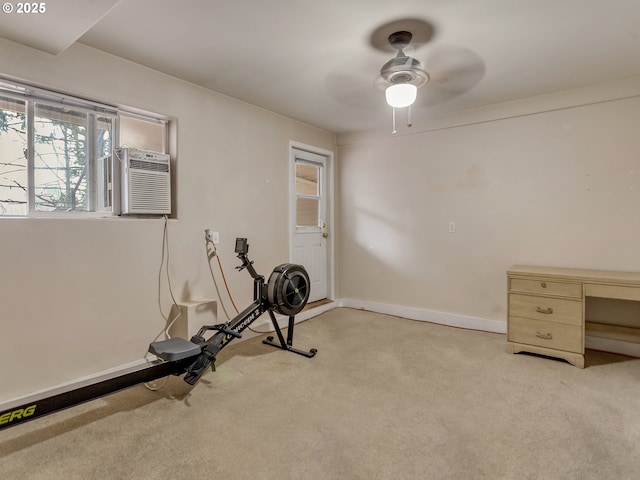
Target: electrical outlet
column 212, row 236
column 452, row 227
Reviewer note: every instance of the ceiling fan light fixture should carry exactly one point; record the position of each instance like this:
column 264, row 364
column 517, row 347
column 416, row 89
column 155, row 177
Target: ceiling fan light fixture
column 401, row 95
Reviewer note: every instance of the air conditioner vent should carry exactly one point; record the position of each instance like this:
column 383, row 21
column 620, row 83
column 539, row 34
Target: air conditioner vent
column 146, row 182
column 150, row 166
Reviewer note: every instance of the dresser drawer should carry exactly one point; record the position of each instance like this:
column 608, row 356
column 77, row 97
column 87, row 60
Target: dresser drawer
column 558, row 336
column 545, row 308
column 561, row 289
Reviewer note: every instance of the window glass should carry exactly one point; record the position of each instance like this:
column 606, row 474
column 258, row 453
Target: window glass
column 60, row 159
column 13, row 158
column 104, row 171
column 307, row 194
column 306, row 179
column 142, row 134
column 307, row 212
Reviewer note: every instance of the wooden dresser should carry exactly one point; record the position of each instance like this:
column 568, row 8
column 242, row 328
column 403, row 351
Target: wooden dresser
column 548, row 314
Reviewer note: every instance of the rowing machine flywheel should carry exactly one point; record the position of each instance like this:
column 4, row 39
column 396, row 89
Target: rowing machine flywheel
column 288, row 288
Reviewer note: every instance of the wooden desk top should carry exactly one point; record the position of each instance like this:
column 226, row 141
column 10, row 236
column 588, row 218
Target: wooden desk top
column 579, row 274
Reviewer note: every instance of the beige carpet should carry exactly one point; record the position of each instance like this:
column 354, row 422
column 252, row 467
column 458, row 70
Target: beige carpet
column 385, row 398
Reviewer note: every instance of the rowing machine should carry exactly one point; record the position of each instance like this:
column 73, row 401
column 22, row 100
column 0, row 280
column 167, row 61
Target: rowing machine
column 286, row 292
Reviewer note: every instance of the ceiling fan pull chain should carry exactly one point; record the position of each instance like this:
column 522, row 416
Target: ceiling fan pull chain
column 409, row 116
column 393, row 115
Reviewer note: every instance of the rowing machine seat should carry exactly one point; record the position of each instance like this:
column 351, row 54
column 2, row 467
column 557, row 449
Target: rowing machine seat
column 174, row 349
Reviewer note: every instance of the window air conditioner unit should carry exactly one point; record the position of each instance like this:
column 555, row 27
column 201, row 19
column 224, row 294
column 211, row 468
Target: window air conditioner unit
column 146, row 182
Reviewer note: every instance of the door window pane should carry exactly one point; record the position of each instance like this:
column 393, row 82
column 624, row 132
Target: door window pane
column 13, row 158
column 307, row 212
column 60, row 159
column 307, row 179
column 307, row 194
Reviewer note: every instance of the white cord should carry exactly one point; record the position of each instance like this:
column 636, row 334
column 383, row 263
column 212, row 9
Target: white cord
column 165, row 248
column 165, row 241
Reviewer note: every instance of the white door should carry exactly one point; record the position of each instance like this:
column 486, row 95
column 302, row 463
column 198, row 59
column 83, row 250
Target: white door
column 309, row 218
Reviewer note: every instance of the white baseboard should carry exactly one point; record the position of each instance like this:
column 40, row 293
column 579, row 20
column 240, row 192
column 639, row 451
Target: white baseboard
column 77, row 383
column 475, row 323
column 442, row 318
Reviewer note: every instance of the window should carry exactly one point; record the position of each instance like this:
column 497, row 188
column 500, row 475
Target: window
column 143, row 133
column 65, row 142
column 56, row 151
column 307, row 194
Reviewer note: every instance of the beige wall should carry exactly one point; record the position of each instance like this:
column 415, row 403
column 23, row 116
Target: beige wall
column 81, row 296
column 553, row 180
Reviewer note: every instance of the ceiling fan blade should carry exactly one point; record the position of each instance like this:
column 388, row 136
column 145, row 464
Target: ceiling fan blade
column 453, row 72
column 355, row 85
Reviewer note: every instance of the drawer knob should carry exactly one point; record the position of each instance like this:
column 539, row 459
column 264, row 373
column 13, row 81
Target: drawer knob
column 543, row 285
column 546, row 311
column 544, row 336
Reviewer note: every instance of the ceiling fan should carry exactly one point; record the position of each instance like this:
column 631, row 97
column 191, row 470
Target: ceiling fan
column 401, row 76
column 443, row 71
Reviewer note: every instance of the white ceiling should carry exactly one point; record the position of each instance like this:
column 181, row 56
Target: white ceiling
column 314, row 60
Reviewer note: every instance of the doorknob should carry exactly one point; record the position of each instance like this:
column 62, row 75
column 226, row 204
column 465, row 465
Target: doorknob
column 325, row 235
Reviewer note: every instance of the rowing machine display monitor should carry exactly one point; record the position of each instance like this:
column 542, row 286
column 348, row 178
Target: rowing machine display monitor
column 242, row 246
column 286, row 292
